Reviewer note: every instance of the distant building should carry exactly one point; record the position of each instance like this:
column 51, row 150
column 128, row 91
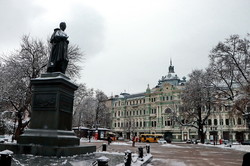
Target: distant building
column 155, row 110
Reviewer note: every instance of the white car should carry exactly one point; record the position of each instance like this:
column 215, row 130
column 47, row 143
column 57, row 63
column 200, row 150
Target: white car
column 162, row 141
column 3, row 139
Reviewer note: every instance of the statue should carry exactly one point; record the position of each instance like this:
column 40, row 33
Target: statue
column 58, row 60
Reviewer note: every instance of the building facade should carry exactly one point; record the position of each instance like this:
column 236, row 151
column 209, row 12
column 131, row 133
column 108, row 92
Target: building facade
column 155, row 111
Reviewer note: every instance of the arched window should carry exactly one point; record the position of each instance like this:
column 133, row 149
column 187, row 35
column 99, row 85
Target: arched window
column 239, row 121
column 168, row 111
column 209, row 122
column 215, row 122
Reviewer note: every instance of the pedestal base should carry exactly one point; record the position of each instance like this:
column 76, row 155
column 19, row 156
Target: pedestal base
column 49, row 137
column 40, row 150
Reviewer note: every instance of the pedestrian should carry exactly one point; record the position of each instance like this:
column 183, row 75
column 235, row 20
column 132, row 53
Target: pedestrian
column 133, row 140
column 109, row 140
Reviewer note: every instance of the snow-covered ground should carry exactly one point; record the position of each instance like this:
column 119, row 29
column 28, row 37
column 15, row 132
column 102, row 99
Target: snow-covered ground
column 91, row 140
column 174, row 146
column 245, row 148
column 119, row 143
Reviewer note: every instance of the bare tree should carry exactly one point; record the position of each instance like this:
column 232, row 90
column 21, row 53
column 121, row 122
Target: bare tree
column 83, row 103
column 103, row 116
column 197, row 99
column 230, row 65
column 90, row 108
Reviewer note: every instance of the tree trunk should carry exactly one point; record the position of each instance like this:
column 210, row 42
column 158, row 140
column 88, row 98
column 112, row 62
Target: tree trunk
column 201, row 134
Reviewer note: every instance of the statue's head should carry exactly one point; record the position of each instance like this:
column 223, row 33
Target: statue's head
column 62, row 26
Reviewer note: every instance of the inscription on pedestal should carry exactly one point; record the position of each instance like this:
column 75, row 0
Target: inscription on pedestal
column 42, row 100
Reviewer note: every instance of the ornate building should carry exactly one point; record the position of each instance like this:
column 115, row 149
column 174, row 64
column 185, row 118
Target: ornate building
column 156, row 109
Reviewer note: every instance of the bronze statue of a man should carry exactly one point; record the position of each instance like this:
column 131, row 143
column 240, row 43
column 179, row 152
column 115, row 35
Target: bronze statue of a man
column 58, row 60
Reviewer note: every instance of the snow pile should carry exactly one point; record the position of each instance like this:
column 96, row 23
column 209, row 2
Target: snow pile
column 174, row 146
column 119, row 143
column 91, row 140
column 244, row 148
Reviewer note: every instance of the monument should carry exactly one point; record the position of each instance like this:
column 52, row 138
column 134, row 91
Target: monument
column 50, row 131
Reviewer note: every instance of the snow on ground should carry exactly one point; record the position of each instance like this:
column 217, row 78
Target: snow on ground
column 174, row 146
column 138, row 162
column 119, row 143
column 244, row 148
column 169, row 162
column 91, row 140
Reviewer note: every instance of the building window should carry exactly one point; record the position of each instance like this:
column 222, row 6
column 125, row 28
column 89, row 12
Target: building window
column 215, row 122
column 169, row 123
column 227, row 122
column 168, row 111
column 221, row 121
column 239, row 121
column 209, row 122
column 115, row 124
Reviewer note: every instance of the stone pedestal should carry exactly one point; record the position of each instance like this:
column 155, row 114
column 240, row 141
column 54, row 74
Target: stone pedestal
column 51, row 118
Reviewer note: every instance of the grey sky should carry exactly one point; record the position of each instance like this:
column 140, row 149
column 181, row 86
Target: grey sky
column 128, row 44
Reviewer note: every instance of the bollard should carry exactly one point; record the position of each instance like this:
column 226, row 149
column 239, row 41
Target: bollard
column 140, row 151
column 246, row 159
column 103, row 161
column 148, row 148
column 5, row 157
column 128, row 158
column 104, row 147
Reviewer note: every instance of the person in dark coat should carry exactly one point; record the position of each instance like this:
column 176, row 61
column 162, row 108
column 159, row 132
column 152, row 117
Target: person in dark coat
column 58, row 60
column 109, row 140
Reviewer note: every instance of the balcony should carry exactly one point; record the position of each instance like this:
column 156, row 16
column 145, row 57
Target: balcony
column 152, row 115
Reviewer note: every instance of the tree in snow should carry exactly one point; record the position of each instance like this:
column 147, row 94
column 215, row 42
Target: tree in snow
column 90, row 108
column 230, row 66
column 197, row 98
column 102, row 114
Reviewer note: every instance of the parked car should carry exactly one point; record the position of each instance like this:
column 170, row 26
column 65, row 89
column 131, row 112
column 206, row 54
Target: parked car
column 162, row 141
column 246, row 142
column 225, row 142
column 3, row 139
column 189, row 141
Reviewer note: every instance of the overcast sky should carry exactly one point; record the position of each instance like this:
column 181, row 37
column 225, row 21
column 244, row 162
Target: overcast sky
column 129, row 43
